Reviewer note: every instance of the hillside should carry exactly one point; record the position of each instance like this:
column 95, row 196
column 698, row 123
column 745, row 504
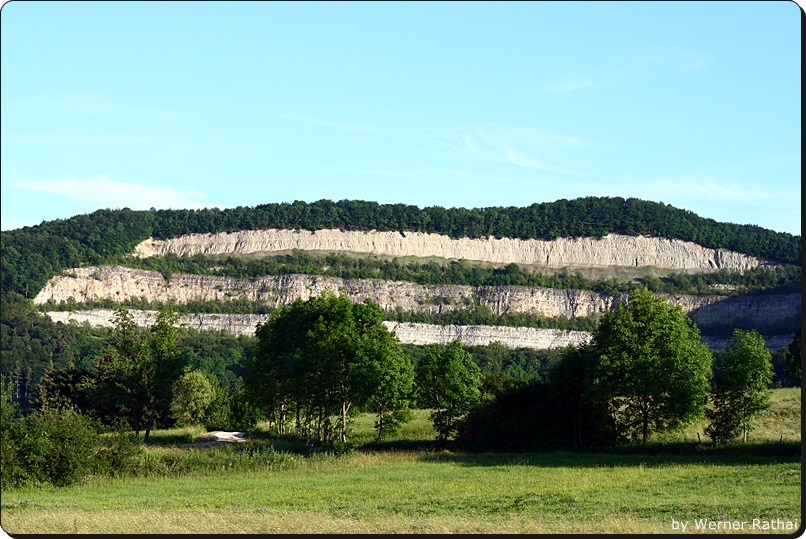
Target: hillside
column 31, row 255
column 537, row 277
column 768, row 313
column 194, row 249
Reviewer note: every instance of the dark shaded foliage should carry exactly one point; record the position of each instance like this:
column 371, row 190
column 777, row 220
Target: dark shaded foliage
column 553, row 413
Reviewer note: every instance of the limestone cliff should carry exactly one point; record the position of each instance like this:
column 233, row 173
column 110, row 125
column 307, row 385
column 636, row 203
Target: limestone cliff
column 407, row 332
column 119, row 284
column 611, row 250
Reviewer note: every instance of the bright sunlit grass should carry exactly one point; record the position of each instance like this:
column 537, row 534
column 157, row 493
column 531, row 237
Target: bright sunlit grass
column 258, row 487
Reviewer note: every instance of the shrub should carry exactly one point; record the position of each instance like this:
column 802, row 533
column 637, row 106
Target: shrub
column 115, row 455
column 52, row 445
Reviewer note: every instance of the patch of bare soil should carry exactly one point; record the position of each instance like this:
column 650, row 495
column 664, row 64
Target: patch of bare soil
column 219, row 437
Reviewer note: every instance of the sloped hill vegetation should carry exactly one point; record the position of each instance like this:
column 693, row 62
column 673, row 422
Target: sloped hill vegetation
column 32, row 255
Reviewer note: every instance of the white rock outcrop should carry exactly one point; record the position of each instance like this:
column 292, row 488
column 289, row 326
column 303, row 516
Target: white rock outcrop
column 611, row 250
column 407, row 332
column 121, row 284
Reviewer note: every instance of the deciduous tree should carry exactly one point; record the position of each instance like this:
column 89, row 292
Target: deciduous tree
column 739, row 389
column 651, row 365
column 328, row 357
column 193, row 393
column 793, row 359
column 449, row 382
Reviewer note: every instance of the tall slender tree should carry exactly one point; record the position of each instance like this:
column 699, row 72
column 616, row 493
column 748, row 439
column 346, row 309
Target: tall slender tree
column 449, row 382
column 161, row 366
column 740, row 387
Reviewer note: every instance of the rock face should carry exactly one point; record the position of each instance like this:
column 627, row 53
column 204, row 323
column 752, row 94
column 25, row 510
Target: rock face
column 611, row 250
column 120, row 284
column 237, row 324
column 512, row 337
column 407, row 332
column 764, row 312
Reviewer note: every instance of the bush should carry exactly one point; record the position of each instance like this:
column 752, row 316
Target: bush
column 52, row 445
column 115, row 455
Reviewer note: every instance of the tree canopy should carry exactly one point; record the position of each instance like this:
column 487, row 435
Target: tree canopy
column 739, row 390
column 325, row 358
column 651, row 365
column 449, row 382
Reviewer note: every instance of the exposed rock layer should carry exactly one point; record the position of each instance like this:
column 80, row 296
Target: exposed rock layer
column 407, row 333
column 611, row 250
column 120, row 284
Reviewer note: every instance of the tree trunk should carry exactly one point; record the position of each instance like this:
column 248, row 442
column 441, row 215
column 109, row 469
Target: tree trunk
column 645, row 424
column 283, row 408
column 135, row 417
column 297, row 426
column 150, row 424
column 344, row 408
column 380, row 423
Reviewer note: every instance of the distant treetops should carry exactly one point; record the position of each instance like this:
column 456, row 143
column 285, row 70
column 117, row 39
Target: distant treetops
column 31, row 255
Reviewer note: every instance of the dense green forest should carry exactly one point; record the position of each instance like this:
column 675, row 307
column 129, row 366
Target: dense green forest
column 31, row 344
column 32, row 255
column 317, row 364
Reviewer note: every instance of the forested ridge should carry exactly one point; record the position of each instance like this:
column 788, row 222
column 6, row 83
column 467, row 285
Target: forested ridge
column 32, row 255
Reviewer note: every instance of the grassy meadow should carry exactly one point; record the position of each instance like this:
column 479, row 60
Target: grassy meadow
column 408, row 485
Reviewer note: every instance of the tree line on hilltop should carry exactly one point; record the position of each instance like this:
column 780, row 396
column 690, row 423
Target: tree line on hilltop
column 32, row 255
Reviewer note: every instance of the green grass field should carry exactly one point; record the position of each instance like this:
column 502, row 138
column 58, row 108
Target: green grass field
column 259, row 487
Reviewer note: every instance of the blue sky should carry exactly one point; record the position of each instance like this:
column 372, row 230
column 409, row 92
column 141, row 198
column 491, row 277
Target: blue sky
column 457, row 104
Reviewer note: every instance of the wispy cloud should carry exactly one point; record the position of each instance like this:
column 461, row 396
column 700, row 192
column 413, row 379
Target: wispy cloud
column 523, row 147
column 104, row 192
column 90, row 139
column 342, row 126
column 487, row 144
column 635, row 65
column 699, row 63
column 708, row 188
column 91, row 104
column 570, row 86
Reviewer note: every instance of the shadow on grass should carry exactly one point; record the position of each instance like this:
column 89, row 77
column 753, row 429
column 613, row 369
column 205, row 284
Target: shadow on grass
column 647, row 456
column 625, row 455
column 652, row 454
